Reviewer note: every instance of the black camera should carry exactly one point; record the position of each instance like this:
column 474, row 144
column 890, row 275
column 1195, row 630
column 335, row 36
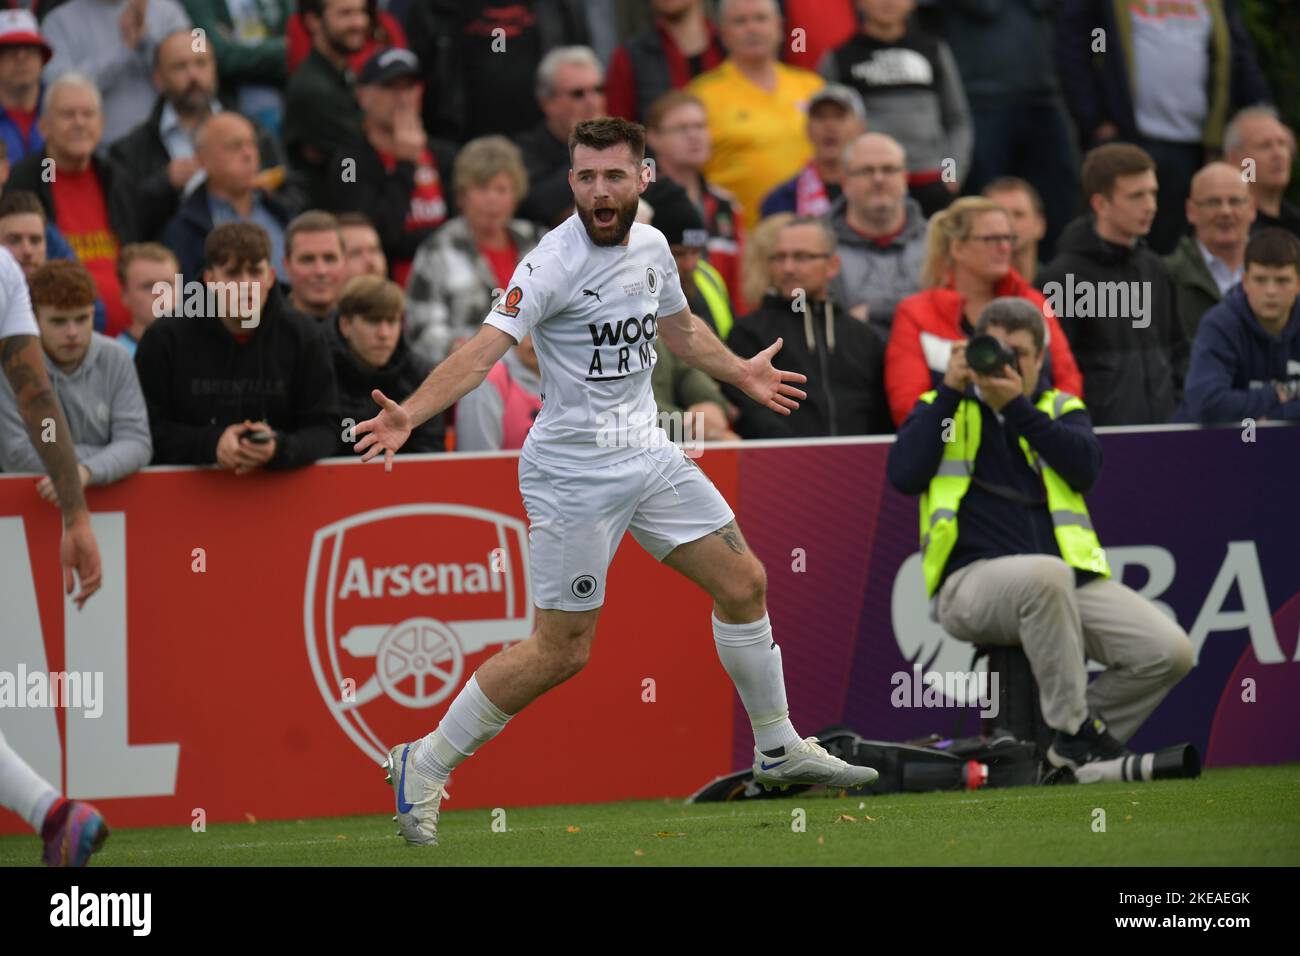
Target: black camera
column 986, row 354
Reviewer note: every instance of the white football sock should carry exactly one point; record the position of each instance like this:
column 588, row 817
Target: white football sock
column 470, row 722
column 751, row 657
column 22, row 789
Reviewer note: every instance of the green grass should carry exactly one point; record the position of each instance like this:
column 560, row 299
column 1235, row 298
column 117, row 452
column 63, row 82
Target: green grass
column 1238, row 817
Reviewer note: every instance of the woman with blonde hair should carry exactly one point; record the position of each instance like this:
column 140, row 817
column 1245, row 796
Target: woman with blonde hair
column 755, row 276
column 967, row 266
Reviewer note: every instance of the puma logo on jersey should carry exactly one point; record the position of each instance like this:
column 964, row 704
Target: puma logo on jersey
column 596, row 294
column 531, row 267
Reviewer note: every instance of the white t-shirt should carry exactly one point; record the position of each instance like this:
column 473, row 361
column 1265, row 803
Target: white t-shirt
column 16, row 317
column 593, row 312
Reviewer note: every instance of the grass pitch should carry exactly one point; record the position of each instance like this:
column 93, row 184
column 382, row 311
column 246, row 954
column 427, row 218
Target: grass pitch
column 1231, row 817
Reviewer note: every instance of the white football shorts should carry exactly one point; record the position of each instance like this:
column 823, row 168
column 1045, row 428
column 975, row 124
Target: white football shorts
column 577, row 516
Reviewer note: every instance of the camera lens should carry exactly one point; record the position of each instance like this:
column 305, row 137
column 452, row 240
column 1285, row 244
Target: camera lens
column 985, row 354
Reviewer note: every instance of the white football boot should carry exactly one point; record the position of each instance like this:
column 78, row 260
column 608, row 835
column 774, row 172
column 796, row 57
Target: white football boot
column 807, row 762
column 418, row 798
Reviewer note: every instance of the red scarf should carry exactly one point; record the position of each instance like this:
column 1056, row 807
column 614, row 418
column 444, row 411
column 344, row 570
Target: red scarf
column 810, row 193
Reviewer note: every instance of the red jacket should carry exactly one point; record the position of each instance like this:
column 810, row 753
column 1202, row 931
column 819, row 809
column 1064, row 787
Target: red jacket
column 926, row 325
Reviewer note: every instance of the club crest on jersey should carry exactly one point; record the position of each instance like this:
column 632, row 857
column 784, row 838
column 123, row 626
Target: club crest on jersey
column 510, row 304
column 583, row 586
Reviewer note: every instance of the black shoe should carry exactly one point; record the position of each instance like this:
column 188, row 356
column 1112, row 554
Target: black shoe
column 1091, row 742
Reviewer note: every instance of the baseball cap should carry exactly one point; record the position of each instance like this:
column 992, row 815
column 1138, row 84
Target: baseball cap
column 843, row 96
column 18, row 28
column 675, row 215
column 388, row 64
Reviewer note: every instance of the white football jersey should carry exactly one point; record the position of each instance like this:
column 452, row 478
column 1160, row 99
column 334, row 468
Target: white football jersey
column 16, row 316
column 593, row 312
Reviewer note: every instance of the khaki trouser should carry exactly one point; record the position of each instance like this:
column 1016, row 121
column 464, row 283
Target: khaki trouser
column 1032, row 600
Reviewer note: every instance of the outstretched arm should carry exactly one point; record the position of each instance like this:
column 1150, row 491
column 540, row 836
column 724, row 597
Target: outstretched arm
column 690, row 339
column 25, row 370
column 462, row 372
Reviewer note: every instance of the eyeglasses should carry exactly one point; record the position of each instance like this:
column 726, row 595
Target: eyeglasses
column 875, row 170
column 801, row 258
column 581, row 91
column 684, row 128
column 989, row 241
column 1219, row 202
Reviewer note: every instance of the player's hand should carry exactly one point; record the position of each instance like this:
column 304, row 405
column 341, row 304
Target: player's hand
column 999, row 389
column 770, row 386
column 79, row 555
column 385, row 433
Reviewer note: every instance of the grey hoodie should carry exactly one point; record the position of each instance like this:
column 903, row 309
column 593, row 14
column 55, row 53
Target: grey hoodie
column 879, row 277
column 105, row 410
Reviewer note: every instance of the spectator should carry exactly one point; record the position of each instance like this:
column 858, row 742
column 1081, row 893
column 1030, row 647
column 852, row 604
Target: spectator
column 677, row 132
column 229, row 157
column 33, row 240
column 1028, row 221
column 1208, row 263
column 481, row 92
column 160, row 152
column 314, row 263
column 462, row 268
column 93, row 379
column 1174, row 74
column 89, row 198
column 1008, row 550
column 141, row 268
column 371, row 353
column 1246, row 358
column 322, row 116
column 1113, row 298
column 251, row 387
column 114, row 43
column 1008, row 70
column 755, row 271
column 570, row 89
column 881, row 232
column 706, row 291
column 840, row 355
column 497, row 414
column 835, row 118
column 383, row 30
column 668, row 54
column 361, row 246
column 399, row 171
column 23, row 53
column 912, row 90
column 1257, row 143
column 754, row 104
column 967, row 266
column 249, row 46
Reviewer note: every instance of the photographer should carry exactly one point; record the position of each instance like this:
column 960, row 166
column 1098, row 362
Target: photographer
column 1009, row 552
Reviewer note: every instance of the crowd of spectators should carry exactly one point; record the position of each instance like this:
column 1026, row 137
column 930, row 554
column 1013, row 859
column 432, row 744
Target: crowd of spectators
column 858, row 177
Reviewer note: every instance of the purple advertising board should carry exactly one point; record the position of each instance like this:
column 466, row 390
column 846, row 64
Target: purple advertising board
column 1199, row 520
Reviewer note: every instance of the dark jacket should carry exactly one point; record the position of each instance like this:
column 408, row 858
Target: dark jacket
column 198, row 380
column 1132, row 376
column 188, row 230
column 1236, row 366
column 1098, row 87
column 321, row 118
column 992, row 525
column 640, row 71
column 546, row 159
column 114, row 180
column 435, row 29
column 386, row 197
column 842, row 357
column 398, row 379
column 1196, row 290
column 143, row 153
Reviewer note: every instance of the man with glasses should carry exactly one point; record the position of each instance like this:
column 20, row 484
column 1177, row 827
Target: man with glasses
column 880, row 229
column 570, row 89
column 842, row 358
column 1206, row 264
column 1113, row 297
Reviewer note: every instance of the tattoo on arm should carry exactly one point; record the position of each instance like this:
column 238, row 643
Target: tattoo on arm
column 25, row 369
column 730, row 533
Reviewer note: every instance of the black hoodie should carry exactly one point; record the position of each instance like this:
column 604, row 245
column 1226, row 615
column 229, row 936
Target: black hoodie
column 842, row 357
column 198, row 379
column 398, row 379
column 1133, row 375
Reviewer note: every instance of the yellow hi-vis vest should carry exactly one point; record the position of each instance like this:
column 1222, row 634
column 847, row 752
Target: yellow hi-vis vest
column 1075, row 536
column 714, row 289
